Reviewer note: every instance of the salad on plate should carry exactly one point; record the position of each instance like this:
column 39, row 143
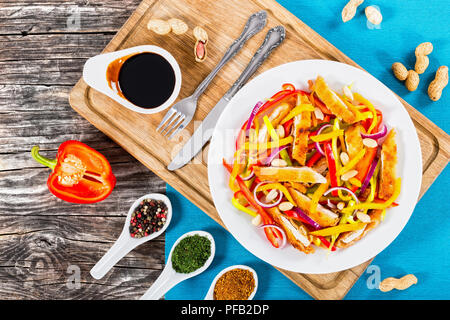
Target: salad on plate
column 315, row 169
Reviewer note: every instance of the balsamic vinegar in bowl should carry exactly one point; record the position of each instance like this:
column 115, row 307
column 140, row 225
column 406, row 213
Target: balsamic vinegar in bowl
column 145, row 79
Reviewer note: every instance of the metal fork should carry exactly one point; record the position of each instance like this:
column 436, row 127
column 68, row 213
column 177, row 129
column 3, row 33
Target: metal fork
column 179, row 116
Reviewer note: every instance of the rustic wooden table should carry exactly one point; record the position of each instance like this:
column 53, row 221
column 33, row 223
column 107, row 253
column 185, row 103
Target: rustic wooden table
column 48, row 246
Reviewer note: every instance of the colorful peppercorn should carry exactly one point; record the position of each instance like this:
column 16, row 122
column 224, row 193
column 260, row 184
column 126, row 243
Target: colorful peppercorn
column 148, row 217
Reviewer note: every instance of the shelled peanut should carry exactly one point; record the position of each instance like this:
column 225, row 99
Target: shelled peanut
column 201, row 40
column 373, row 15
column 163, row 27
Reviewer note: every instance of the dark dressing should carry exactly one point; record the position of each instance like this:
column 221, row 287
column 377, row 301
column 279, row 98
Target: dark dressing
column 145, row 79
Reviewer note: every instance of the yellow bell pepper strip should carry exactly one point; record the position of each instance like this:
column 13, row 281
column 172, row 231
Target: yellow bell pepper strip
column 272, row 144
column 369, row 105
column 316, row 196
column 352, row 163
column 376, row 205
column 273, row 134
column 383, row 214
column 327, row 136
column 280, row 187
column 338, row 229
column 355, row 182
column 240, row 207
column 238, row 168
column 296, row 111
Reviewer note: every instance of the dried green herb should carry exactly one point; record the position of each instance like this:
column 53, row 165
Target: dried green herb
column 191, row 253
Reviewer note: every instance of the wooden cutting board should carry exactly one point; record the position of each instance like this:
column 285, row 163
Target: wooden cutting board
column 224, row 20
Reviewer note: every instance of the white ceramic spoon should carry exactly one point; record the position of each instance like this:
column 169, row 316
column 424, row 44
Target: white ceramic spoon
column 169, row 277
column 125, row 243
column 210, row 294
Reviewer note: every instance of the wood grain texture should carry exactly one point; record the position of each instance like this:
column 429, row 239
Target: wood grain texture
column 44, row 240
column 136, row 132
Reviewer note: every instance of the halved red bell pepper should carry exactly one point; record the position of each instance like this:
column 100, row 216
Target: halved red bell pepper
column 80, row 173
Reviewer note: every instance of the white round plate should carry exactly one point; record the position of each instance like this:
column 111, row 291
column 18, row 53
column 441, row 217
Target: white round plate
column 337, row 75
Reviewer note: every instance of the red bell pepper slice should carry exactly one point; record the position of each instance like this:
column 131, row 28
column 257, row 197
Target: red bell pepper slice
column 331, row 166
column 271, row 233
column 326, row 243
column 315, row 157
column 80, row 173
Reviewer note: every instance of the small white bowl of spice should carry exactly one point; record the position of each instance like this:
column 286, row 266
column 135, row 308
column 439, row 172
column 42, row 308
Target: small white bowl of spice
column 148, row 217
column 238, row 282
column 190, row 255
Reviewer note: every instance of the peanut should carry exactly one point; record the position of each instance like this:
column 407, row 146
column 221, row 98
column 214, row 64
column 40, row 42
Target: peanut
column 400, row 71
column 370, row 143
column 422, row 61
column 279, row 163
column 363, row 217
column 344, row 158
column 348, row 175
column 178, row 26
column 350, row 9
column 424, row 48
column 159, row 26
column 285, row 206
column 201, row 37
column 438, row 84
column 373, row 15
column 400, row 284
column 256, row 221
column 412, row 81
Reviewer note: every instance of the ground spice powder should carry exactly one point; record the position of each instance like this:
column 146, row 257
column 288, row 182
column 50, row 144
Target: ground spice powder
column 236, row 284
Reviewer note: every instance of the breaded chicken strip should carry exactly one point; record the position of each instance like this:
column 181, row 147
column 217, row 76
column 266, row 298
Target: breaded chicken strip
column 296, row 233
column 323, row 216
column 333, row 102
column 388, row 165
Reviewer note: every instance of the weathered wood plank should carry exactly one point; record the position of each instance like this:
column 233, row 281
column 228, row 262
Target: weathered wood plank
column 38, row 255
column 52, row 46
column 27, row 16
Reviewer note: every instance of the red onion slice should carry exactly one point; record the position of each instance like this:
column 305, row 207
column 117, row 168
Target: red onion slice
column 304, row 216
column 378, row 135
column 246, row 178
column 331, row 204
column 253, row 114
column 343, row 189
column 275, row 152
column 266, row 205
column 369, row 175
column 279, row 229
column 319, row 149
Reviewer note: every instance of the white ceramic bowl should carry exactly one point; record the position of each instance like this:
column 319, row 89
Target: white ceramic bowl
column 210, row 293
column 94, row 74
column 409, row 166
